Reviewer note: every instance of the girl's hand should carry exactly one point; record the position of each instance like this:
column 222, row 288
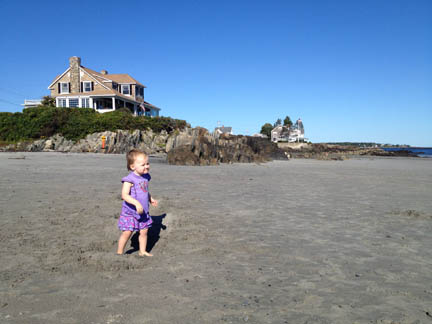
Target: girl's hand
column 139, row 208
column 153, row 202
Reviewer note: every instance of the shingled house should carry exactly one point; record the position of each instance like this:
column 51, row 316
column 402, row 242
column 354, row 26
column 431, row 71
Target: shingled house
column 81, row 87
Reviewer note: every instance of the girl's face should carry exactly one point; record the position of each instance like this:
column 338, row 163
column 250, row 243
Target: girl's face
column 141, row 165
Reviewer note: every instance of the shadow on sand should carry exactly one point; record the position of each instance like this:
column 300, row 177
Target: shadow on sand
column 152, row 236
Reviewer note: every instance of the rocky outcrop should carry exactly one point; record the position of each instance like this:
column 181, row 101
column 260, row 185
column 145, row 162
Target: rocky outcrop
column 122, row 141
column 338, row 152
column 198, row 147
column 116, row 142
column 186, row 147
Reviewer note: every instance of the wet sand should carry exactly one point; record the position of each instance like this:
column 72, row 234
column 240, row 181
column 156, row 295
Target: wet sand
column 299, row 241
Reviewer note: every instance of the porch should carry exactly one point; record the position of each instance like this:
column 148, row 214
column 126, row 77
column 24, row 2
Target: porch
column 104, row 104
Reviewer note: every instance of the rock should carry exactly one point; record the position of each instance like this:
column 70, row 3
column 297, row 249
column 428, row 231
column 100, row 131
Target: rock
column 189, row 146
column 338, row 152
column 36, row 146
column 182, row 156
column 61, row 144
column 209, row 150
column 48, row 145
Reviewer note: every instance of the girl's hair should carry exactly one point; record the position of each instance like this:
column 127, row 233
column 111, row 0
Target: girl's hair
column 131, row 157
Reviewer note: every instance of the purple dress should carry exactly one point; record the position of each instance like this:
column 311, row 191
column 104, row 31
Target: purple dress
column 129, row 219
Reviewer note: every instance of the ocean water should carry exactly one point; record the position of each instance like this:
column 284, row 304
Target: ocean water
column 420, row 151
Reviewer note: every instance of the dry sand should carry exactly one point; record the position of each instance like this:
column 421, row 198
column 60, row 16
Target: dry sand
column 300, row 241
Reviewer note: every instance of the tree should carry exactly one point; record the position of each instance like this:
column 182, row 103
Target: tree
column 266, row 129
column 48, row 101
column 287, row 121
column 278, row 122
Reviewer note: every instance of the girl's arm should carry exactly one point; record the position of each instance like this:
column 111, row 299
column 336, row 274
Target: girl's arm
column 128, row 198
column 153, row 202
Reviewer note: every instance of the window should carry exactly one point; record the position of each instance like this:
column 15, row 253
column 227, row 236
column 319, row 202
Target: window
column 85, row 103
column 62, row 102
column 73, row 103
column 125, row 89
column 140, row 91
column 115, row 86
column 86, row 86
column 64, row 87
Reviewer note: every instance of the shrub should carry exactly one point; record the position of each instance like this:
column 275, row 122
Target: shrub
column 76, row 123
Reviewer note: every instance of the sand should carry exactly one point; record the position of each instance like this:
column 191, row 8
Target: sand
column 299, row 241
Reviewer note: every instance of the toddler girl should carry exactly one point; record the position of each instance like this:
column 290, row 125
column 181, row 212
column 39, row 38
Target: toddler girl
column 135, row 215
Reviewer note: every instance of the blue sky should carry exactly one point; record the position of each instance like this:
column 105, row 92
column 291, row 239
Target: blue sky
column 351, row 70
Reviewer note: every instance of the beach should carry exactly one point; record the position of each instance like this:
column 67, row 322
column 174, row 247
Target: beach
column 298, row 241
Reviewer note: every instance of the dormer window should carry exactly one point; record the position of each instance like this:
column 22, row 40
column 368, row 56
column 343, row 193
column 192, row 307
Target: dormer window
column 87, row 86
column 64, row 87
column 115, row 86
column 125, row 89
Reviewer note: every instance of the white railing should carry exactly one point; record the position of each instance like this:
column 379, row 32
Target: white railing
column 32, row 102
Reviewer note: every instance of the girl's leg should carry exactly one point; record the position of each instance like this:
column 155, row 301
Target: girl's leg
column 143, row 243
column 124, row 237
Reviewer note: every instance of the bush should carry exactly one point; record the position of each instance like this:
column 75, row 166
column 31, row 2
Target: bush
column 48, row 101
column 76, row 123
column 266, row 129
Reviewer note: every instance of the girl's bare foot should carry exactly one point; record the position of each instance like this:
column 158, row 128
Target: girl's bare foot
column 145, row 254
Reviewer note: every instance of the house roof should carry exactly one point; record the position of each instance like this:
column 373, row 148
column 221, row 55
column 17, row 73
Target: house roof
column 279, row 128
column 224, row 129
column 150, row 105
column 119, row 78
column 123, row 78
column 58, row 77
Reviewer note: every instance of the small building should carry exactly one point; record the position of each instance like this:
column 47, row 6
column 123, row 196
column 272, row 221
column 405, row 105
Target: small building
column 81, row 87
column 223, row 130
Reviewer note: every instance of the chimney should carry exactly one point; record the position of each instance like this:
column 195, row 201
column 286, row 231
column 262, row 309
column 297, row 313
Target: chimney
column 104, row 72
column 74, row 63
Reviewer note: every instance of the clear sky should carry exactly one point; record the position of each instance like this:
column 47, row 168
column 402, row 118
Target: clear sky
column 351, row 70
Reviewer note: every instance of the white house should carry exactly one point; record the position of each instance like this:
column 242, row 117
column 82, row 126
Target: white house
column 295, row 133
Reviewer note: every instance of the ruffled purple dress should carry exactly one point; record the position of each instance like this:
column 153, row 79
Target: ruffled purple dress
column 129, row 219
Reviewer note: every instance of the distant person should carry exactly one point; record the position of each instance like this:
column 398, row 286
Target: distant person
column 136, row 197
